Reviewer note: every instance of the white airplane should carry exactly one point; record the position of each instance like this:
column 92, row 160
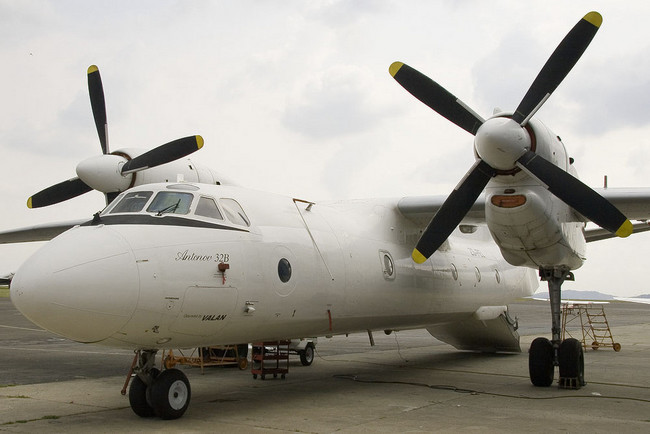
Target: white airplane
column 190, row 264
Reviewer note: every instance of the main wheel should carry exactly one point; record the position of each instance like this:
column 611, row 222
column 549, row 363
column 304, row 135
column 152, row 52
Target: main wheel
column 138, row 398
column 307, row 355
column 170, row 394
column 139, row 395
column 572, row 360
column 540, row 362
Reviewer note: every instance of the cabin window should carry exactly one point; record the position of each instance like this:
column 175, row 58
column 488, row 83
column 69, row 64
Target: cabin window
column 132, row 202
column 234, row 212
column 284, row 270
column 168, row 202
column 207, row 207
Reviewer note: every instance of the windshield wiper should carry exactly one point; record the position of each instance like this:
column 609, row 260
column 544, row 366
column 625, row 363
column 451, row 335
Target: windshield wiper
column 170, row 208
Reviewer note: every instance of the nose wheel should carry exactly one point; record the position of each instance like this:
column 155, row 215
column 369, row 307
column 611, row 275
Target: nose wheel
column 544, row 355
column 164, row 394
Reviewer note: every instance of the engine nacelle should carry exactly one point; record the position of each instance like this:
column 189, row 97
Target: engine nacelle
column 103, row 172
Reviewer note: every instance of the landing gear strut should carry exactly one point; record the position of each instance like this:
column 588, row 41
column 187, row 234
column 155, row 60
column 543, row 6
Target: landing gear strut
column 164, row 394
column 545, row 355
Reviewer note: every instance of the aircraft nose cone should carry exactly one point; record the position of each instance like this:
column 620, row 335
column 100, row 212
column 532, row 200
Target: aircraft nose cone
column 500, row 142
column 83, row 284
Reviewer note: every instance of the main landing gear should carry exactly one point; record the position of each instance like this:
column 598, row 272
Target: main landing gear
column 545, row 355
column 164, row 394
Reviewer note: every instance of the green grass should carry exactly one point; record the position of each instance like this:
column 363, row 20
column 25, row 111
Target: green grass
column 4, row 291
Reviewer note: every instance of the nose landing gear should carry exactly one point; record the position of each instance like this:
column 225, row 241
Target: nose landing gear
column 164, row 394
column 545, row 355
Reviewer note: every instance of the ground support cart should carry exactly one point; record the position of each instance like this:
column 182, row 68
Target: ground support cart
column 270, row 358
column 226, row 355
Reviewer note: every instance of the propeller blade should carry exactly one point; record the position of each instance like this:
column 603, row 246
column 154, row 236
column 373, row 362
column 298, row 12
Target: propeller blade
column 453, row 210
column 96, row 91
column 557, row 67
column 436, row 97
column 577, row 195
column 164, row 154
column 58, row 193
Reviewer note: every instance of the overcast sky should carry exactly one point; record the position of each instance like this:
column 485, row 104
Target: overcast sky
column 295, row 97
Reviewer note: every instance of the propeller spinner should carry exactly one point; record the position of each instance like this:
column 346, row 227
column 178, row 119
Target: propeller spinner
column 110, row 172
column 504, row 144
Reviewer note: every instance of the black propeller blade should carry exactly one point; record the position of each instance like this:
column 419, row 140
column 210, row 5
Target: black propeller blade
column 567, row 188
column 98, row 104
column 58, row 193
column 453, row 210
column 436, row 97
column 577, row 195
column 108, row 164
column 563, row 59
column 164, row 154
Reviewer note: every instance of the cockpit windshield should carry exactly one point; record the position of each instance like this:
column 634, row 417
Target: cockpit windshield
column 207, row 207
column 171, row 202
column 234, row 212
column 192, row 204
column 132, row 202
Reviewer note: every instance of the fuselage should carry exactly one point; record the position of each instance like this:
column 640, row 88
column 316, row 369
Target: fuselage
column 186, row 265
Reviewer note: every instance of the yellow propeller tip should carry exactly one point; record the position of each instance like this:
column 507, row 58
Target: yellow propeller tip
column 418, row 257
column 594, row 18
column 625, row 230
column 199, row 142
column 92, row 68
column 394, row 67
column 29, row 203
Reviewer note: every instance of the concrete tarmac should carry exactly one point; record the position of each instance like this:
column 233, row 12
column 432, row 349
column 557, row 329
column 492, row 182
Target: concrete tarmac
column 407, row 382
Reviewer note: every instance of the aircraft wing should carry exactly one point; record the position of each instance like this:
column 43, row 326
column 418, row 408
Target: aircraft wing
column 633, row 202
column 420, row 209
column 43, row 232
column 6, row 280
column 597, row 234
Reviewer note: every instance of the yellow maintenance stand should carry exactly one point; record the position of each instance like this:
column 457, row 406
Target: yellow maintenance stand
column 589, row 317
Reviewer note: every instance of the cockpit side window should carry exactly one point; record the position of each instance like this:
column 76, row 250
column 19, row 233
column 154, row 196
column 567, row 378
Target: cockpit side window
column 171, row 202
column 234, row 212
column 207, row 207
column 132, row 202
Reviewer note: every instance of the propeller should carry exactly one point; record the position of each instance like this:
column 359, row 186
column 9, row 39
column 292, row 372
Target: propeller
column 109, row 172
column 58, row 193
column 504, row 144
column 98, row 105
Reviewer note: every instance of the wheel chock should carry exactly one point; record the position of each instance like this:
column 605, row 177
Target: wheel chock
column 570, row 383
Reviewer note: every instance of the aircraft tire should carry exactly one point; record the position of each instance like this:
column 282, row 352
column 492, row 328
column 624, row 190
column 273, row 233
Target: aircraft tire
column 540, row 362
column 307, row 355
column 170, row 394
column 138, row 398
column 572, row 360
